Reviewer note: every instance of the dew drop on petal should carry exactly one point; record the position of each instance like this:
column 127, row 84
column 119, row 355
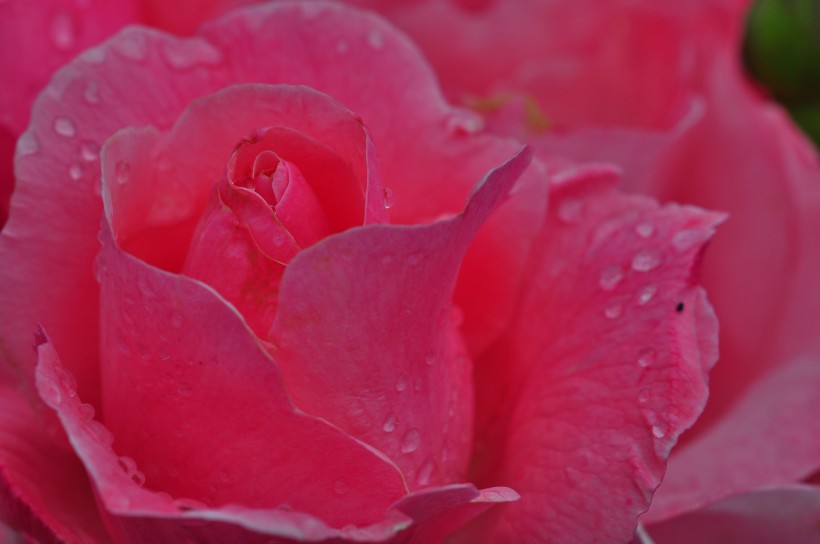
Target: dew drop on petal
column 425, row 473
column 658, row 431
column 643, row 395
column 686, row 239
column 101, row 433
column 75, row 172
column 122, row 172
column 184, row 390
column 645, row 261
column 610, row 277
column 86, row 411
column 430, row 358
column 646, row 293
column 127, row 464
column 65, row 127
column 64, row 30
column 613, row 312
column 89, row 151
column 401, row 384
column 389, row 197
column 138, row 478
column 390, row 424
column 645, row 229
column 647, row 357
column 189, row 504
column 411, row 441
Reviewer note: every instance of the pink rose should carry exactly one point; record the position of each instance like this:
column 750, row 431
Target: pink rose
column 249, row 329
column 658, row 89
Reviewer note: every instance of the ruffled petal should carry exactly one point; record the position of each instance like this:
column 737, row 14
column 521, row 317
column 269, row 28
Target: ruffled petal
column 611, row 349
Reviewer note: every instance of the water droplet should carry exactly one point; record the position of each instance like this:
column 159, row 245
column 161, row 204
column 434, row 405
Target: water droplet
column 386, row 259
column 645, row 229
column 340, row 487
column 390, row 424
column 569, row 211
column 464, row 123
column 181, row 56
column 53, row 396
column 647, row 357
column 646, row 293
column 658, row 431
column 342, row 46
column 645, row 261
column 64, row 30
column 128, row 465
column 356, row 409
column 28, row 144
column 613, row 312
column 67, row 379
column 138, row 478
column 430, row 358
column 86, row 411
column 418, row 384
column 75, row 172
column 411, row 441
column 89, row 151
column 375, row 39
column 401, row 384
column 65, row 127
column 389, row 197
column 686, row 239
column 610, row 277
column 100, row 432
column 643, row 395
column 122, row 172
column 92, row 92
column 189, row 504
column 425, row 473
column 278, row 238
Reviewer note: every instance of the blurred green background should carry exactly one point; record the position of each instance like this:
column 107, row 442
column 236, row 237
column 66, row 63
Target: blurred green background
column 782, row 51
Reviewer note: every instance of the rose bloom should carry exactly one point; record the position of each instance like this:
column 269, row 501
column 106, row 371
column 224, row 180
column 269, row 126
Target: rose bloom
column 271, row 303
column 658, row 89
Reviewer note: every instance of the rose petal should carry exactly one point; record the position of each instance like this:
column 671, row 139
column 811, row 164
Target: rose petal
column 447, row 142
column 54, row 217
column 44, row 491
column 132, row 511
column 729, row 457
column 180, row 367
column 365, row 338
column 611, row 348
column 788, row 514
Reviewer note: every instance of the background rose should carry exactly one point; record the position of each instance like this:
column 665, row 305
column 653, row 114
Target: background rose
column 550, row 420
column 659, row 90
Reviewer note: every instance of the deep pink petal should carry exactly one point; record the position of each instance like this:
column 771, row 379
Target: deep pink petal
column 425, row 135
column 180, row 367
column 765, row 439
column 354, row 351
column 133, row 512
column 787, row 514
column 612, row 345
column 438, row 512
column 44, row 491
column 43, row 36
column 185, row 16
column 55, row 213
